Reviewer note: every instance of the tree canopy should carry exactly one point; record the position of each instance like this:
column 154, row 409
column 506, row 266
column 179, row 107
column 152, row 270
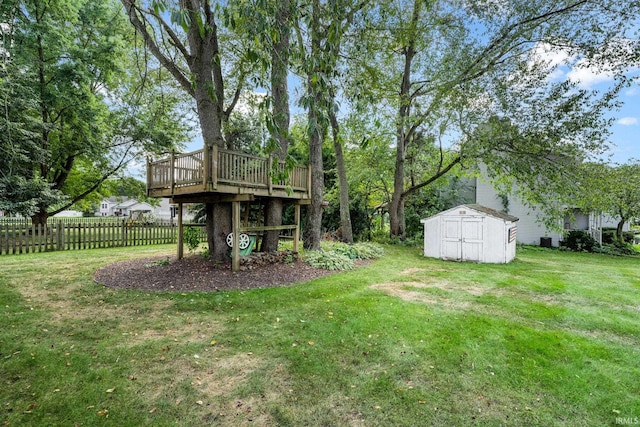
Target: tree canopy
column 76, row 107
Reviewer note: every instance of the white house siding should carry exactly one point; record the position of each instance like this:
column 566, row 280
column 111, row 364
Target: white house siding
column 609, row 222
column 530, row 226
column 530, row 230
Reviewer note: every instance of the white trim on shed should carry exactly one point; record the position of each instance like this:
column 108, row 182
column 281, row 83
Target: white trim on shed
column 471, row 233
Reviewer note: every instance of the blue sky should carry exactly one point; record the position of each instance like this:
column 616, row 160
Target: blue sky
column 626, row 130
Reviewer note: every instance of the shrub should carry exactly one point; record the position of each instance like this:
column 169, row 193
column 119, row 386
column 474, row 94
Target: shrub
column 617, row 249
column 609, row 236
column 580, row 241
column 367, row 251
column 329, row 260
column 340, row 256
column 190, row 237
column 383, row 237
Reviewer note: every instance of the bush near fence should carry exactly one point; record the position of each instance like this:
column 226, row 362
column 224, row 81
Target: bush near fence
column 23, row 237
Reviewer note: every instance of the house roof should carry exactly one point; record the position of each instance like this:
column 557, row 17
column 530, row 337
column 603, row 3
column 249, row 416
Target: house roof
column 116, row 199
column 126, row 204
column 141, row 207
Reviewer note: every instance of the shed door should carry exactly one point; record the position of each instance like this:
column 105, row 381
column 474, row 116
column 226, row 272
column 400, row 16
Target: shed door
column 472, row 239
column 451, row 238
column 462, row 238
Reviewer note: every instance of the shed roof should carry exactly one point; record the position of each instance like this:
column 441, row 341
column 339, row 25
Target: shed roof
column 492, row 212
column 482, row 209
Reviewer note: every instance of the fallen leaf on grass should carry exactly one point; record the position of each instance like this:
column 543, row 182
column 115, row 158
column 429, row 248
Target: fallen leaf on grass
column 111, row 390
column 102, row 412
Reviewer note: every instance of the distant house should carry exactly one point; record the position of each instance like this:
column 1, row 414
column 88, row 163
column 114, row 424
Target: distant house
column 122, row 206
column 131, row 208
column 531, row 230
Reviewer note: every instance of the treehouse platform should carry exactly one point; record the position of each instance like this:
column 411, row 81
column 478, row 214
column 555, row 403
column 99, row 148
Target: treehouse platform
column 210, row 174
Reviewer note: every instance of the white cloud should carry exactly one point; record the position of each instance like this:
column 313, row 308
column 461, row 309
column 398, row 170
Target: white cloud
column 550, row 55
column 628, row 121
column 587, row 76
column 562, row 64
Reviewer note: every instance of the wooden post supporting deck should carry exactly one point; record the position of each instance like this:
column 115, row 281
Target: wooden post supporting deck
column 173, row 171
column 180, row 233
column 213, row 168
column 296, row 233
column 206, row 165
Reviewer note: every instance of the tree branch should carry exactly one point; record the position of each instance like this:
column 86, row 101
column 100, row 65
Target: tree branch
column 123, row 161
column 132, row 12
column 438, row 174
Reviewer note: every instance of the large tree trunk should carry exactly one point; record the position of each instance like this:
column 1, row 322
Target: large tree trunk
column 218, row 227
column 345, row 215
column 403, row 129
column 281, row 116
column 205, row 66
column 204, row 82
column 272, row 216
column 40, row 217
column 313, row 229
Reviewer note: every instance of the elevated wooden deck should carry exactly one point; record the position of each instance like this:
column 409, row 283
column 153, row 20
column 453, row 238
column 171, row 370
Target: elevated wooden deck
column 208, row 173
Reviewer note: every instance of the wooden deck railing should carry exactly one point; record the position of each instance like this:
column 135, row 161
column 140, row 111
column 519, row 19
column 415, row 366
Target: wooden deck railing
column 222, row 168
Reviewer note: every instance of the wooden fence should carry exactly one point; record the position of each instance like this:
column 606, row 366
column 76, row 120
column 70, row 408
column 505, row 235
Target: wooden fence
column 23, row 238
column 54, row 220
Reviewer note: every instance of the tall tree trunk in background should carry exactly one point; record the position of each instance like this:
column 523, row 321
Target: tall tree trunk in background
column 281, row 116
column 345, row 216
column 403, row 129
column 620, row 229
column 313, row 229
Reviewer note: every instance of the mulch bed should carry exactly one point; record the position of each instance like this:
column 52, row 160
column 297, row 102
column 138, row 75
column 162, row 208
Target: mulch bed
column 195, row 273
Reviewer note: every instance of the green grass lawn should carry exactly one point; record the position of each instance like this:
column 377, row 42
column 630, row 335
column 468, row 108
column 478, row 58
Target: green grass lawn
column 551, row 339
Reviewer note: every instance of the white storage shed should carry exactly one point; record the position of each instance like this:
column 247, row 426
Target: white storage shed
column 471, row 233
